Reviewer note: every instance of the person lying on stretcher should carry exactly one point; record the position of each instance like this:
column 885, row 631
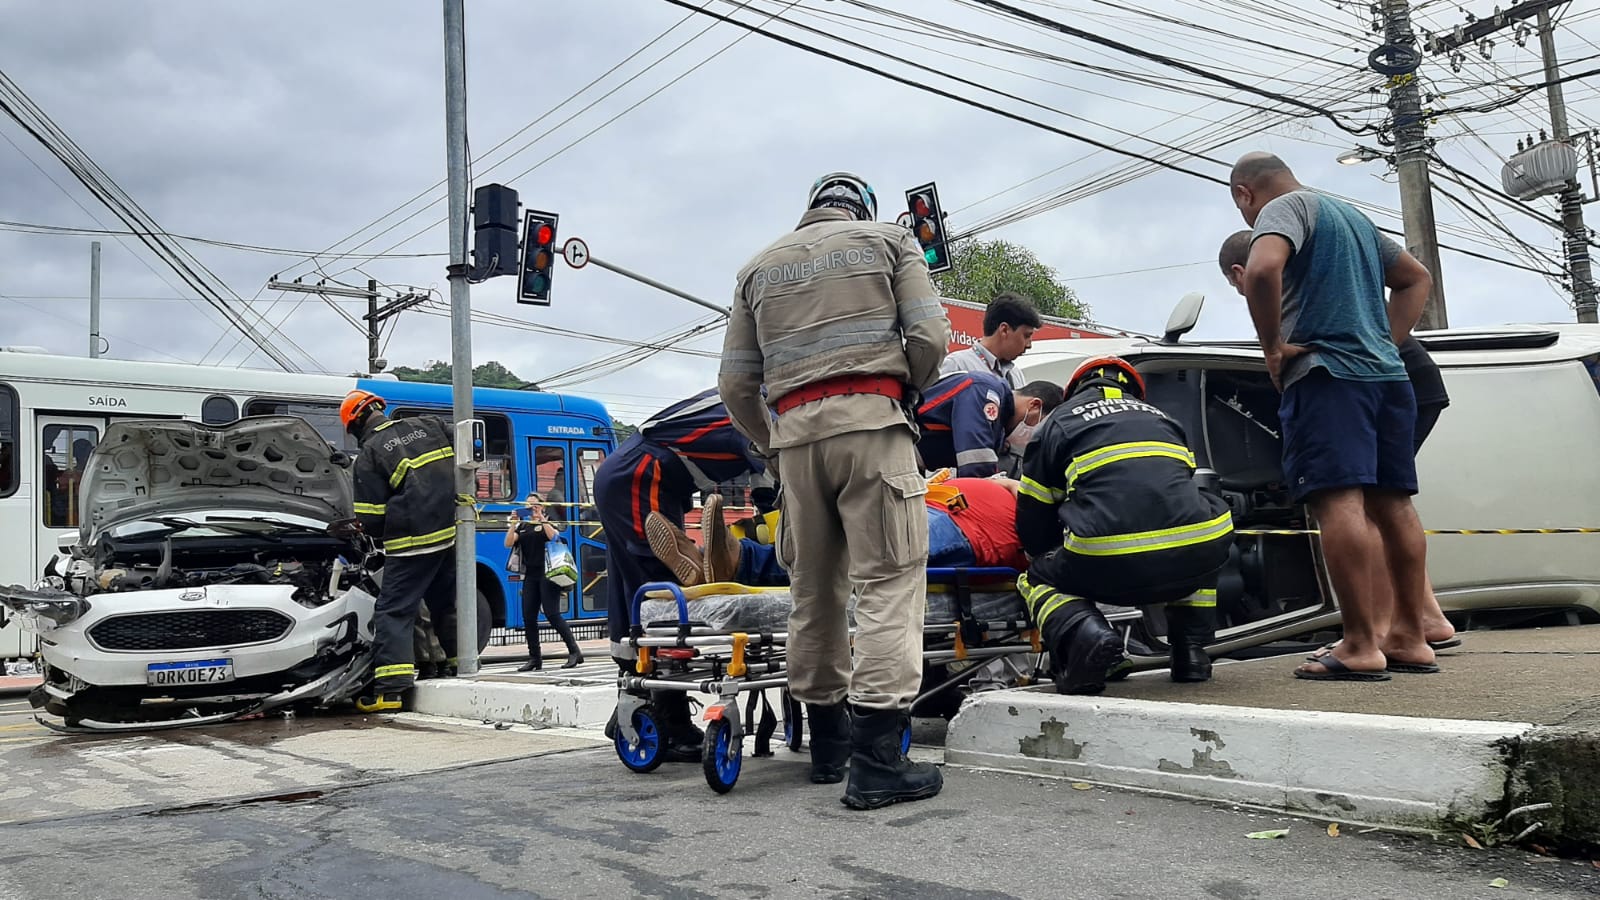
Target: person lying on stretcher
column 971, row 522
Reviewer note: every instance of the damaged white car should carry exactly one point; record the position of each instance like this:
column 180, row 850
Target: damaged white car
column 217, row 574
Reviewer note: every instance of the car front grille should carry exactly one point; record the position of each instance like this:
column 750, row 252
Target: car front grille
column 190, row 630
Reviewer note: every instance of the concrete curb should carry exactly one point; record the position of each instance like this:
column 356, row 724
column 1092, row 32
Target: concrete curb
column 1347, row 767
column 528, row 702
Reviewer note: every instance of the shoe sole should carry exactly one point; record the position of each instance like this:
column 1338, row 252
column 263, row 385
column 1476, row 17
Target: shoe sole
column 665, row 544
column 1105, row 656
column 878, row 801
column 715, row 538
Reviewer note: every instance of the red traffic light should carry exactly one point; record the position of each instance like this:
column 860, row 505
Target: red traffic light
column 922, row 205
column 544, row 234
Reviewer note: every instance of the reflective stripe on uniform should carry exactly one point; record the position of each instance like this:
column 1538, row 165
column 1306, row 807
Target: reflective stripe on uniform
column 371, row 509
column 1151, row 541
column 417, row 462
column 811, row 342
column 1202, row 599
column 914, row 311
column 397, row 670
column 1042, row 600
column 1105, row 456
column 421, row 540
column 1036, row 491
column 1112, row 393
column 974, row 457
column 384, row 425
column 742, row 362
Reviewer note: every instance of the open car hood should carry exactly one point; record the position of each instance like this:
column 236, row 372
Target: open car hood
column 273, row 464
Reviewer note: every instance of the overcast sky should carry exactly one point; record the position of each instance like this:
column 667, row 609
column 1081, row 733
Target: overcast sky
column 293, row 124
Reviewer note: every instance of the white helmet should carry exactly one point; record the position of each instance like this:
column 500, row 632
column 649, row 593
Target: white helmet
column 849, row 191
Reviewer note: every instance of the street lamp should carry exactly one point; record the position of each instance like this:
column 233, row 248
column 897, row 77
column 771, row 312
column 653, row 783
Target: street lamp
column 1360, row 155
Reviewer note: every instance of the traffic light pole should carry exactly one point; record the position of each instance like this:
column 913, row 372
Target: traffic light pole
column 455, row 116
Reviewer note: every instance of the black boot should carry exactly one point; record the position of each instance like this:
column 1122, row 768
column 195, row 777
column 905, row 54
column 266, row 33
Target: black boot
column 1085, row 655
column 879, row 773
column 681, row 739
column 830, row 742
column 1189, row 629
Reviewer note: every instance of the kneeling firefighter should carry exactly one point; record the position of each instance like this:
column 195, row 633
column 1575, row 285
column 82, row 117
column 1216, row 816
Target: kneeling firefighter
column 1110, row 512
column 405, row 499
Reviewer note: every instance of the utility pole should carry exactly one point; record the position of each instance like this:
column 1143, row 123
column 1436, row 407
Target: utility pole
column 375, row 317
column 1411, row 163
column 372, row 325
column 94, row 300
column 455, row 118
column 1576, row 233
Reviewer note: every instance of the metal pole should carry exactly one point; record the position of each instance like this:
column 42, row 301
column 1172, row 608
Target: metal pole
column 1576, row 233
column 455, row 116
column 1411, row 162
column 372, row 326
column 94, row 300
column 645, row 279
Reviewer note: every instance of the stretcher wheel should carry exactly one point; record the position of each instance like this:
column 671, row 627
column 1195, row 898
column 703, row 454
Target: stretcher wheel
column 646, row 755
column 722, row 758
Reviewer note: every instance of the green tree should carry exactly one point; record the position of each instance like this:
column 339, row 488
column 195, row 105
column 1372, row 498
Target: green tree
column 981, row 269
column 491, row 374
column 622, row 430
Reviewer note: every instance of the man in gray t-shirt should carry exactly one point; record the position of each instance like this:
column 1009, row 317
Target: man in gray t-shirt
column 1314, row 281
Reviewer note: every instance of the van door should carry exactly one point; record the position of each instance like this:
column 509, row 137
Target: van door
column 63, row 449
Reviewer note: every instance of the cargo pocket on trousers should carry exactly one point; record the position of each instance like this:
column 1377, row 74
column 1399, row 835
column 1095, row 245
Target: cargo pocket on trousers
column 783, row 541
column 905, row 525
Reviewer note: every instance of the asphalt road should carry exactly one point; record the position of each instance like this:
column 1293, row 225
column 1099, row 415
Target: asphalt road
column 573, row 823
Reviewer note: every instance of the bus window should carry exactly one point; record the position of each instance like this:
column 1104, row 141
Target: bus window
column 550, row 479
column 496, row 478
column 324, row 417
column 589, row 460
column 64, row 451
column 219, row 410
column 9, row 422
column 593, row 566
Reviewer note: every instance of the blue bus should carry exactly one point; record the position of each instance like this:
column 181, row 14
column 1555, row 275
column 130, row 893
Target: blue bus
column 549, row 443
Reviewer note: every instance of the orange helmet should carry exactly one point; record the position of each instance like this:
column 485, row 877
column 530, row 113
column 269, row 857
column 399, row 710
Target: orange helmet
column 1114, row 370
column 355, row 406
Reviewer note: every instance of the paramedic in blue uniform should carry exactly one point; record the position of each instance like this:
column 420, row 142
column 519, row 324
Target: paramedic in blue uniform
column 970, row 419
column 689, row 446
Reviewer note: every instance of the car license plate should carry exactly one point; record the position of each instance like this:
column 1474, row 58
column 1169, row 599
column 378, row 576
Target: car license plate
column 198, row 671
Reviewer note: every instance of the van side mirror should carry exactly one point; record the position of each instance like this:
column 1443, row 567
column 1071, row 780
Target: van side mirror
column 1184, row 316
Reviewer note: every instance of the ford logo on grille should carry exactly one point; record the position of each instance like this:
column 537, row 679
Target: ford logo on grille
column 193, row 595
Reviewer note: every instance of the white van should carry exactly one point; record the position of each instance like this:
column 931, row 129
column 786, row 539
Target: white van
column 1516, row 449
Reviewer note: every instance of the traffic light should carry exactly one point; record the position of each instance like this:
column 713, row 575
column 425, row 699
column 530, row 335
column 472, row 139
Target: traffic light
column 538, row 257
column 927, row 223
column 494, row 231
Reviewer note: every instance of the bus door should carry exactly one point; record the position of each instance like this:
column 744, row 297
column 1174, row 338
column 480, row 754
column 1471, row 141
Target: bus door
column 550, row 459
column 590, row 546
column 63, row 449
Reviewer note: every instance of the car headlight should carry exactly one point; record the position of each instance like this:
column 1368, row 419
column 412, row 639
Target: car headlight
column 42, row 610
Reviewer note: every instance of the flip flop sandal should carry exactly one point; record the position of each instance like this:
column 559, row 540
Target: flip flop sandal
column 1413, row 668
column 1325, row 649
column 1338, row 671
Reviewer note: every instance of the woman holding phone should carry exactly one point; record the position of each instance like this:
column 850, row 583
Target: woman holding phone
column 528, row 533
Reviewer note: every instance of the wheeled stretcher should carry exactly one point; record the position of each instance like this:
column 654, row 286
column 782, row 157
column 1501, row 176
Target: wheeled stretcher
column 725, row 640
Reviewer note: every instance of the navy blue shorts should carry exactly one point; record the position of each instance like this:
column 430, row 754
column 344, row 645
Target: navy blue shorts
column 1343, row 434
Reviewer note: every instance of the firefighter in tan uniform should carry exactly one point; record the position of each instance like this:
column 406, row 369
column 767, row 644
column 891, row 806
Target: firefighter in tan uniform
column 840, row 322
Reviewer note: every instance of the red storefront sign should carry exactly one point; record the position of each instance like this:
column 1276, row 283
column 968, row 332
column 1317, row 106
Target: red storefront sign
column 966, row 326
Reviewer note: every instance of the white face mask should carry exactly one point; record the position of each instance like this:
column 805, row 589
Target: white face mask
column 1022, row 434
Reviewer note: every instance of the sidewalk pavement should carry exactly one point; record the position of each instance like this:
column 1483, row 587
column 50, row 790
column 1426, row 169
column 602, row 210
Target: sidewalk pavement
column 580, row 697
column 1512, row 719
